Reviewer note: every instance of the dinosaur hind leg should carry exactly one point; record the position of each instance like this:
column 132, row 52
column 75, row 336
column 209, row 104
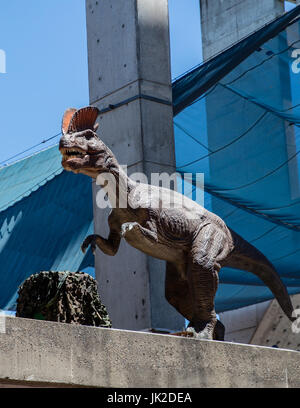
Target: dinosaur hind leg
column 177, row 290
column 178, row 295
column 203, row 267
column 203, row 286
column 219, row 333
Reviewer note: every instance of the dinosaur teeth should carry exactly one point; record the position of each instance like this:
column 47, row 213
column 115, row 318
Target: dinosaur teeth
column 74, row 153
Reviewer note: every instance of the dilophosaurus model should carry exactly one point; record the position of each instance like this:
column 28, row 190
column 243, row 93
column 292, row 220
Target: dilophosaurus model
column 194, row 242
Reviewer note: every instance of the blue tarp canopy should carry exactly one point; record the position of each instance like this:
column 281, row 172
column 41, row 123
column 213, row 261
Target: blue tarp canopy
column 236, row 119
column 45, row 214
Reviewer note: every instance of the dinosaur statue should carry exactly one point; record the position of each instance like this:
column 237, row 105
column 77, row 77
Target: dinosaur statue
column 194, row 242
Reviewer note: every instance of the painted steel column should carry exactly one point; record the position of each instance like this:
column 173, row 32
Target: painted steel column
column 129, row 59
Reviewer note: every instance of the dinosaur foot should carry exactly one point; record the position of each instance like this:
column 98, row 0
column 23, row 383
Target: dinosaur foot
column 203, row 330
column 219, row 332
column 207, row 330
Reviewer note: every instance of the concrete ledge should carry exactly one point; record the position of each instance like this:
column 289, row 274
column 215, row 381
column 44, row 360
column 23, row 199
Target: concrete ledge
column 40, row 352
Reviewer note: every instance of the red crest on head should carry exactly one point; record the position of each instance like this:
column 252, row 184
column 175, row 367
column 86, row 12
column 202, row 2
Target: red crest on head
column 78, row 120
column 67, row 119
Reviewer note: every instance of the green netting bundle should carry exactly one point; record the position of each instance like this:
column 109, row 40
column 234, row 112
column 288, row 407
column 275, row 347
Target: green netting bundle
column 66, row 297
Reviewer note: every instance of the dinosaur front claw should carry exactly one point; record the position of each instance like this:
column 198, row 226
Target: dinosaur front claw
column 127, row 227
column 89, row 241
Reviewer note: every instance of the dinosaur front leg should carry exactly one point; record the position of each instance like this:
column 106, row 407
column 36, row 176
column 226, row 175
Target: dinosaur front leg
column 138, row 236
column 109, row 246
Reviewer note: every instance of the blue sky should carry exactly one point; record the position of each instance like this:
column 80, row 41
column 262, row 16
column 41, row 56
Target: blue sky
column 45, row 45
column 46, row 64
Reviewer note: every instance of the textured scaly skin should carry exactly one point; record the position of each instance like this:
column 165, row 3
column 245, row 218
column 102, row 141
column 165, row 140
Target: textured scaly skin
column 194, row 242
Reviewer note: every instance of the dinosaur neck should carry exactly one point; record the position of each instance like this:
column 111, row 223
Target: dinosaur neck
column 117, row 185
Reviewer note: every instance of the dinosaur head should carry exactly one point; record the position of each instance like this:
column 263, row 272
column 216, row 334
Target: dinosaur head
column 82, row 150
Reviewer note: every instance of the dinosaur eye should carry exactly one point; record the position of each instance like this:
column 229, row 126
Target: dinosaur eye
column 87, row 134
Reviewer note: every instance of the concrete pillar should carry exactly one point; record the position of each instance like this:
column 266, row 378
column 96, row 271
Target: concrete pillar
column 128, row 56
column 224, row 22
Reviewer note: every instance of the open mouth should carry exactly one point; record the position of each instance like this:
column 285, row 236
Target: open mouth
column 74, row 153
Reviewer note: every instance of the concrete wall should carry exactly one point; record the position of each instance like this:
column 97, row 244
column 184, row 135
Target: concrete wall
column 275, row 329
column 128, row 52
column 36, row 352
column 241, row 324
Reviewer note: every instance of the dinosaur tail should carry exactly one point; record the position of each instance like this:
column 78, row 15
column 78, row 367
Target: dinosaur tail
column 246, row 257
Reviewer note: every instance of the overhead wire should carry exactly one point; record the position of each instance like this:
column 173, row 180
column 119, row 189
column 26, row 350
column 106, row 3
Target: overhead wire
column 261, row 63
column 28, row 149
column 228, row 144
column 235, row 79
column 196, row 100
